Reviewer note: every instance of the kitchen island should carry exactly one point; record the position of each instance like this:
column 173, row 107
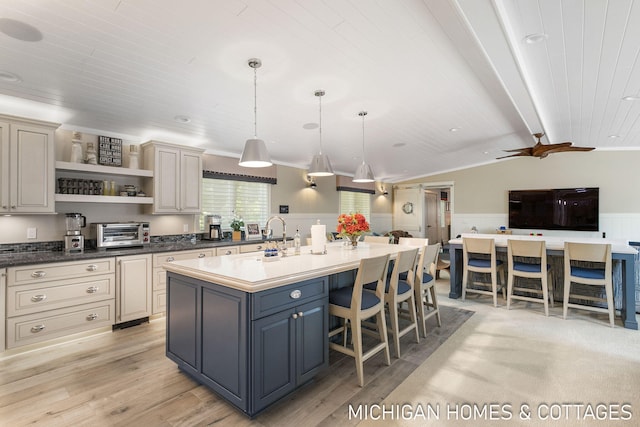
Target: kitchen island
column 254, row 330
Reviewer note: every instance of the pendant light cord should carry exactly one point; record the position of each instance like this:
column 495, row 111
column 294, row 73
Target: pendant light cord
column 362, row 114
column 255, row 102
column 320, row 120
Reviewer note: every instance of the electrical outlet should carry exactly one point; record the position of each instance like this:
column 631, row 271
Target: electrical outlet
column 185, row 227
column 32, row 233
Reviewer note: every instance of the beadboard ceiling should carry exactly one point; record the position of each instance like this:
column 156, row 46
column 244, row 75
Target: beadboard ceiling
column 418, row 67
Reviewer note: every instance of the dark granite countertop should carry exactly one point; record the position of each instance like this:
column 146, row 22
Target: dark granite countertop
column 11, row 259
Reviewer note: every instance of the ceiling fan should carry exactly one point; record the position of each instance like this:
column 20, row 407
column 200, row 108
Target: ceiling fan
column 541, row 150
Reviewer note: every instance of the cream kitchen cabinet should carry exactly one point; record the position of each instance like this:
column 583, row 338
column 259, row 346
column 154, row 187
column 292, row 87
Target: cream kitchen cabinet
column 227, row 250
column 177, row 177
column 256, row 247
column 133, row 287
column 27, row 169
column 159, row 304
column 47, row 301
column 3, row 292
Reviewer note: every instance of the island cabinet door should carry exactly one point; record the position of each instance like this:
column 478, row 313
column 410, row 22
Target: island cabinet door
column 312, row 330
column 183, row 326
column 273, row 361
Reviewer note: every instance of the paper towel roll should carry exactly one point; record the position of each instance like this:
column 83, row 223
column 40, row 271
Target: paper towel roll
column 318, row 238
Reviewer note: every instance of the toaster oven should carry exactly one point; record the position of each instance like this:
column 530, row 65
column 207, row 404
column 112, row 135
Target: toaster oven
column 120, row 234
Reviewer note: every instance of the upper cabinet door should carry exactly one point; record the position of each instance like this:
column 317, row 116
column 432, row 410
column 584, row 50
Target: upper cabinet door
column 167, row 176
column 31, row 169
column 4, row 167
column 191, row 182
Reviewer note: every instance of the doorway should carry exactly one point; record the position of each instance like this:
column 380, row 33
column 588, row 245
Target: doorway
column 437, row 212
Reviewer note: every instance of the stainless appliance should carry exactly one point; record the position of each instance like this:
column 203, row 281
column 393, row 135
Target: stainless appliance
column 120, row 234
column 212, row 228
column 73, row 239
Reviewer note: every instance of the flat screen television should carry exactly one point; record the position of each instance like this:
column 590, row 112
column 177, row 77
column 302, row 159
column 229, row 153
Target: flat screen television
column 558, row 209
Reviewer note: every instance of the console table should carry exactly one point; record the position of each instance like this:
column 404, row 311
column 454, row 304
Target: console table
column 620, row 250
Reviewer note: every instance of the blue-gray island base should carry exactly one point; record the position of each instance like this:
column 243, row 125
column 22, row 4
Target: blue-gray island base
column 252, row 349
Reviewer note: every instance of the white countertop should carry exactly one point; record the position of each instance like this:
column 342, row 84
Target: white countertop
column 250, row 273
column 552, row 242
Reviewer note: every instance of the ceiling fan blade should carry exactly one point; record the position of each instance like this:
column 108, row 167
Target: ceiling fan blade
column 540, row 149
column 521, row 154
column 567, row 149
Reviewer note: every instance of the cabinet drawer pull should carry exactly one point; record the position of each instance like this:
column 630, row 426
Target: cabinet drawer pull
column 201, row 256
column 13, row 206
column 38, row 298
column 37, row 328
column 295, row 294
column 294, row 315
column 170, row 259
column 92, row 316
column 38, row 273
column 92, row 289
column 92, row 267
column 227, row 253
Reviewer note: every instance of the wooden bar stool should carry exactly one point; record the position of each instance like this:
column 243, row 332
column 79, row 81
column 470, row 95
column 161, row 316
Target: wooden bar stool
column 528, row 258
column 353, row 304
column 425, row 288
column 593, row 276
column 485, row 263
column 399, row 291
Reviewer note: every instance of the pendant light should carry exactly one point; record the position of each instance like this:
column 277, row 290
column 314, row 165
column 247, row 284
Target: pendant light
column 320, row 164
column 364, row 172
column 255, row 154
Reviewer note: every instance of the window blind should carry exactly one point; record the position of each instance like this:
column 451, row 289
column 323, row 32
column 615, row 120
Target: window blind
column 352, row 202
column 248, row 200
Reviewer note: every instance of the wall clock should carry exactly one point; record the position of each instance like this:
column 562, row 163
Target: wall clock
column 407, row 208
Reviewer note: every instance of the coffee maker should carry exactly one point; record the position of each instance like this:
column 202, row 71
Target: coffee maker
column 73, row 240
column 212, row 228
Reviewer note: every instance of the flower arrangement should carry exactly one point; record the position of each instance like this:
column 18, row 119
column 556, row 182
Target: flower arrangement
column 352, row 225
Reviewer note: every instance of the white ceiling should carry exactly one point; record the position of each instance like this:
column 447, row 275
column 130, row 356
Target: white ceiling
column 418, row 67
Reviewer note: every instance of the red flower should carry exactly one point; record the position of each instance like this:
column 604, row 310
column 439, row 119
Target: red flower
column 352, row 225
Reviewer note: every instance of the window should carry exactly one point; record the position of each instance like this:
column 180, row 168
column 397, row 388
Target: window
column 352, row 202
column 249, row 200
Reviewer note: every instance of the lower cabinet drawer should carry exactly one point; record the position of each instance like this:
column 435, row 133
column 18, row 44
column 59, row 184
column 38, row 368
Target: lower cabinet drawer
column 159, row 302
column 35, row 328
column 38, row 297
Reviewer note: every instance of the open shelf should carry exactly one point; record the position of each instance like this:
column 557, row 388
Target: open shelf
column 82, row 198
column 99, row 169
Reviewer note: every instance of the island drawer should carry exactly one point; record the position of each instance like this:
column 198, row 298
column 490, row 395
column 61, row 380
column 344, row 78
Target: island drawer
column 59, row 270
column 38, row 297
column 34, row 328
column 283, row 298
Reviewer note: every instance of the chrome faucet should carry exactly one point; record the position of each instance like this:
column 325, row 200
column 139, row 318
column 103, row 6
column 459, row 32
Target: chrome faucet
column 284, row 228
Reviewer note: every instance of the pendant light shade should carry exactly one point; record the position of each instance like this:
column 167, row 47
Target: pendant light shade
column 255, row 154
column 320, row 164
column 364, row 172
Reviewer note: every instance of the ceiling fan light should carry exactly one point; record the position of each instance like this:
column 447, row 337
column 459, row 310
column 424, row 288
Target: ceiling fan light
column 320, row 166
column 363, row 174
column 255, row 154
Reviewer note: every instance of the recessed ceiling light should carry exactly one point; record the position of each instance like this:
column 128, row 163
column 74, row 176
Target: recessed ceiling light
column 399, row 144
column 182, row 119
column 454, row 129
column 485, row 152
column 8, row 76
column 614, row 136
column 535, row 38
column 310, row 126
column 20, row 30
column 631, row 98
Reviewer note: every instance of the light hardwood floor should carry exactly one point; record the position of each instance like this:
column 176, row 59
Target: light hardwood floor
column 124, row 379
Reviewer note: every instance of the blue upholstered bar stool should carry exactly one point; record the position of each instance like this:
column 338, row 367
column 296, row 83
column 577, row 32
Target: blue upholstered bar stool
column 588, row 274
column 528, row 259
column 354, row 304
column 399, row 291
column 485, row 263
